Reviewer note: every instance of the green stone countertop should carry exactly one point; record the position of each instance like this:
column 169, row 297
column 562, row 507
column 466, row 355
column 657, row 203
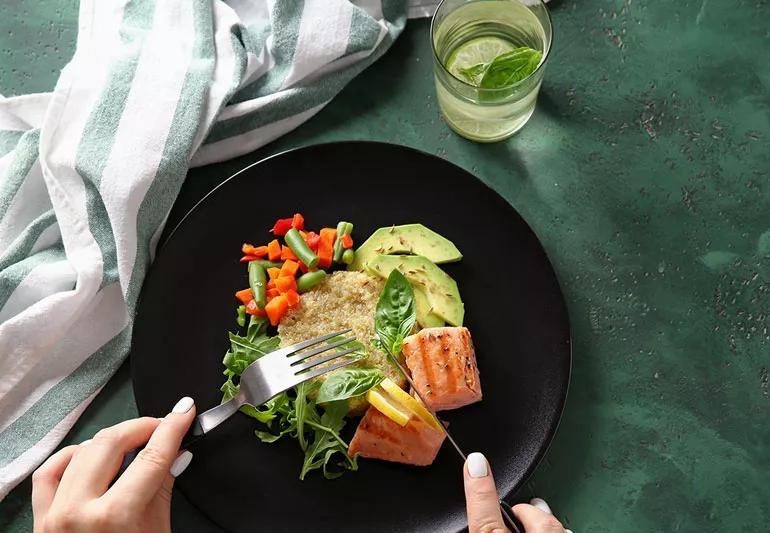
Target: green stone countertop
column 644, row 171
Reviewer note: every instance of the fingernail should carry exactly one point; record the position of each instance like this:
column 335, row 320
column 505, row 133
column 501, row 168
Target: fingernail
column 183, row 405
column 181, row 463
column 87, row 441
column 477, row 465
column 541, row 504
column 567, row 531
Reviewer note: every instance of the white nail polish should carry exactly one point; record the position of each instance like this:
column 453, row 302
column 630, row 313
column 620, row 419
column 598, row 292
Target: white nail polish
column 87, row 441
column 477, row 465
column 181, row 463
column 183, row 405
column 567, row 531
column 541, row 504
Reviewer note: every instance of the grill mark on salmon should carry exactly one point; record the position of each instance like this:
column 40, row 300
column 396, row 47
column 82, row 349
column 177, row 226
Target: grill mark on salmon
column 443, row 366
column 378, row 437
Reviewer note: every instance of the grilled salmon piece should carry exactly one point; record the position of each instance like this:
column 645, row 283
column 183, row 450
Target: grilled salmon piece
column 378, row 437
column 443, row 366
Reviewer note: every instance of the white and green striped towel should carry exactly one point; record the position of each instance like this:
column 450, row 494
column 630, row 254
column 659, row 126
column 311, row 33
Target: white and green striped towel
column 89, row 172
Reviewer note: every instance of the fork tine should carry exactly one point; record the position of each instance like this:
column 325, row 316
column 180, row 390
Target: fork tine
column 310, row 364
column 323, row 370
column 299, row 357
column 290, row 350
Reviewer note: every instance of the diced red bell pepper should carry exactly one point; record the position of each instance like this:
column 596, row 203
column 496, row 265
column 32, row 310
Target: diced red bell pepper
column 286, row 254
column 274, row 250
column 298, row 221
column 303, row 268
column 247, row 258
column 281, row 226
column 244, row 296
column 312, row 239
column 347, row 241
column 293, row 298
column 272, row 293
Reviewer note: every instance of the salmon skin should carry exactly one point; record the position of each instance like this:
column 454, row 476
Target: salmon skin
column 378, row 437
column 443, row 366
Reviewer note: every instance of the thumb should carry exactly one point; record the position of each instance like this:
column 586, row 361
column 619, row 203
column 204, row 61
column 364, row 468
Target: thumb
column 481, row 497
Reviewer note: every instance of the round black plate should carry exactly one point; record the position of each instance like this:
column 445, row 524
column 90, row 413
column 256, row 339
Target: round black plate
column 514, row 310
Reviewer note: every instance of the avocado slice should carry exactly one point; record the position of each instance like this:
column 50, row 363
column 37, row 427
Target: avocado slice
column 413, row 239
column 425, row 316
column 440, row 290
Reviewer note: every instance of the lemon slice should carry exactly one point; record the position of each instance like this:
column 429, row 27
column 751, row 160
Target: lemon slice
column 474, row 52
column 411, row 403
column 384, row 403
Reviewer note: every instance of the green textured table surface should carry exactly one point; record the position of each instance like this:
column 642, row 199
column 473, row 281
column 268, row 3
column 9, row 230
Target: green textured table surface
column 645, row 173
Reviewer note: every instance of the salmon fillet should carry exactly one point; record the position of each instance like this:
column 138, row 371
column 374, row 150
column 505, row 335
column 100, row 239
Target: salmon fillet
column 378, row 437
column 443, row 366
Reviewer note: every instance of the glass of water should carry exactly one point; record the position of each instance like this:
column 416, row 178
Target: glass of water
column 479, row 98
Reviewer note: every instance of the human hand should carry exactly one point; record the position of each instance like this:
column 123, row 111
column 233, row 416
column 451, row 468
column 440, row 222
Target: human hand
column 71, row 491
column 483, row 505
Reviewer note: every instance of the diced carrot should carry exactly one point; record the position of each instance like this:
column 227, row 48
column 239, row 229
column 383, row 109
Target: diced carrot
column 274, row 250
column 253, row 309
column 326, row 247
column 289, row 268
column 285, row 284
column 270, row 285
column 260, row 251
column 247, row 258
column 272, row 293
column 276, row 309
column 248, row 249
column 292, row 297
column 273, row 272
column 312, row 239
column 287, row 254
column 298, row 221
column 245, row 296
column 347, row 241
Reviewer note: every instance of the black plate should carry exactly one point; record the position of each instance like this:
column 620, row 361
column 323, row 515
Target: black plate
column 514, row 309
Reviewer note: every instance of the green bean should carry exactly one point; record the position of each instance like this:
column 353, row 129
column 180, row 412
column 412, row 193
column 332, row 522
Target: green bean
column 267, row 264
column 343, row 228
column 348, row 256
column 257, row 281
column 300, row 248
column 241, row 311
column 310, row 279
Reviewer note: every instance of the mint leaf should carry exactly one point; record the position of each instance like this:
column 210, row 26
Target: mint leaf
column 510, row 68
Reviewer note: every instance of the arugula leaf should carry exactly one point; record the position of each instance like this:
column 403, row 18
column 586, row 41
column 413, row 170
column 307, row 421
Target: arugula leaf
column 328, row 444
column 347, row 383
column 510, row 68
column 395, row 315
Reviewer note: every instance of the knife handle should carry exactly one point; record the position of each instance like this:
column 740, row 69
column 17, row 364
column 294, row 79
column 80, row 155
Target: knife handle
column 193, row 435
column 510, row 519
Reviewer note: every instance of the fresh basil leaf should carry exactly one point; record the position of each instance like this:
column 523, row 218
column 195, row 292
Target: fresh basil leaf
column 395, row 315
column 347, row 383
column 510, row 68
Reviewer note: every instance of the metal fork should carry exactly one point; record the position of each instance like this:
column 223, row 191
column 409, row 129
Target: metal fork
column 272, row 374
column 266, row 378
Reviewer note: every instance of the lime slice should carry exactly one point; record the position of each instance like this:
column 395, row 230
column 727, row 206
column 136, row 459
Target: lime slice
column 474, row 52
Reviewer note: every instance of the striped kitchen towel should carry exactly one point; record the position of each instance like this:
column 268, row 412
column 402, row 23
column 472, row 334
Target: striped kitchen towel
column 89, row 172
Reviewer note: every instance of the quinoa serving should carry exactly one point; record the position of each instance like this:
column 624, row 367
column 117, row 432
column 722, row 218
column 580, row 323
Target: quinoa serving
column 343, row 300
